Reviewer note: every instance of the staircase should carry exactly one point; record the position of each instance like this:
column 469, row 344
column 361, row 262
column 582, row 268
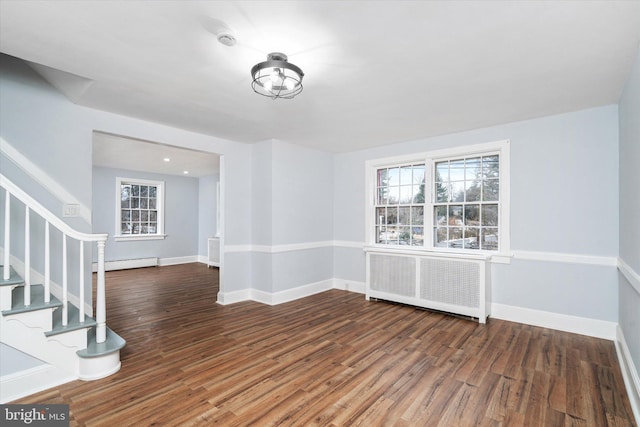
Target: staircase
column 46, row 320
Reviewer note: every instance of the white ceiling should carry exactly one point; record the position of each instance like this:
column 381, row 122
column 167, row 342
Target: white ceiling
column 112, row 151
column 376, row 72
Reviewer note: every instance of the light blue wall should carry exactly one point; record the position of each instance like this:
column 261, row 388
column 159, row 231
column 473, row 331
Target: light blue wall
column 564, row 198
column 56, row 135
column 207, row 211
column 291, row 204
column 181, row 216
column 629, row 298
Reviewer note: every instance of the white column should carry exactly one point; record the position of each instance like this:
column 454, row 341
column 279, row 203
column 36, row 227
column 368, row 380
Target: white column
column 81, row 308
column 101, row 307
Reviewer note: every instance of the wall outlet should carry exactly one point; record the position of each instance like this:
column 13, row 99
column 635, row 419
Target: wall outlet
column 71, row 210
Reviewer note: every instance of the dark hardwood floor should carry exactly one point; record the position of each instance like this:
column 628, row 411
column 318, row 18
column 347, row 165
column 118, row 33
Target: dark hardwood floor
column 332, row 359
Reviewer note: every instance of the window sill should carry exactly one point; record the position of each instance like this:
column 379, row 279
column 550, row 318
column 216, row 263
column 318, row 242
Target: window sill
column 496, row 258
column 139, row 237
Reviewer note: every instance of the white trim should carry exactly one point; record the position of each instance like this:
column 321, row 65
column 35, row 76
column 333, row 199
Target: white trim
column 237, row 248
column 138, row 237
column 276, row 249
column 502, row 148
column 225, row 298
column 562, row 322
column 630, row 275
column 350, row 286
column 177, row 260
column 566, row 258
column 149, row 262
column 629, row 373
column 126, row 264
column 280, row 297
column 34, row 380
column 348, row 244
column 160, row 186
column 43, row 179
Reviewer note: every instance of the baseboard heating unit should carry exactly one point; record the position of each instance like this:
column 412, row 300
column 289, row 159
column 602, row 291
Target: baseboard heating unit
column 453, row 283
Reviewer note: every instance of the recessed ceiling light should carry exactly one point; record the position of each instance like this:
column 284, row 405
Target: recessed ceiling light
column 166, row 159
column 186, row 172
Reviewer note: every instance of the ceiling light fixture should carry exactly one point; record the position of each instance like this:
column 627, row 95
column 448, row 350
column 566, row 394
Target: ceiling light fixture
column 276, row 77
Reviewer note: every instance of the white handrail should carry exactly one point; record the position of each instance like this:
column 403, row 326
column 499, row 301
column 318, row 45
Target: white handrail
column 31, row 205
column 46, row 214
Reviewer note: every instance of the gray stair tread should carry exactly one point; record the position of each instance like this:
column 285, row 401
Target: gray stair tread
column 14, row 279
column 73, row 322
column 37, row 301
column 113, row 343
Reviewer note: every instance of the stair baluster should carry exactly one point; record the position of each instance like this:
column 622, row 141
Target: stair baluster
column 6, row 271
column 27, row 258
column 81, row 281
column 65, row 286
column 32, row 205
column 47, row 264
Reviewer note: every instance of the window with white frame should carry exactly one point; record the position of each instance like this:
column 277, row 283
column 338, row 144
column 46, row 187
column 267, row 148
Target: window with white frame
column 447, row 200
column 139, row 209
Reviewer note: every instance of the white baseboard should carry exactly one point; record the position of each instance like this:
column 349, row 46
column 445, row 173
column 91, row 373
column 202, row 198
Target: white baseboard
column 281, row 297
column 177, row 260
column 349, row 285
column 274, row 298
column 148, row 262
column 629, row 373
column 562, row 322
column 225, row 298
column 126, row 264
column 24, row 383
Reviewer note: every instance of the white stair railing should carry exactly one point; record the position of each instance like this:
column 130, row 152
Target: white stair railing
column 31, row 205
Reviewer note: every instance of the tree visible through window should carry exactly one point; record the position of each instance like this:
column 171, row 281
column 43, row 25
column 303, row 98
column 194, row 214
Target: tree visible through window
column 466, row 205
column 140, row 207
column 400, row 205
column 454, row 199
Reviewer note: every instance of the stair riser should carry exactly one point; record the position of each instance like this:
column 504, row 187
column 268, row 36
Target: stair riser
column 5, row 297
column 41, row 320
column 56, row 351
column 94, row 368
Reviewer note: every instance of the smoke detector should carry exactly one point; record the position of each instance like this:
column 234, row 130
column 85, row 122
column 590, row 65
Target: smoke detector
column 226, row 38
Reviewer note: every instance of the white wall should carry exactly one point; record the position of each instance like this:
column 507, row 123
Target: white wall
column 564, row 199
column 181, row 204
column 629, row 297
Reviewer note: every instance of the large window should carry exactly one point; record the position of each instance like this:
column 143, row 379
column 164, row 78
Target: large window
column 139, row 209
column 466, row 202
column 400, row 205
column 447, row 200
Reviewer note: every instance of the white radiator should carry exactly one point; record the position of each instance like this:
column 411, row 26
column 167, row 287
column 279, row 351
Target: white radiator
column 445, row 282
column 213, row 252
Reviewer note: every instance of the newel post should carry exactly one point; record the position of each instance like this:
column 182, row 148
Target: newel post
column 101, row 308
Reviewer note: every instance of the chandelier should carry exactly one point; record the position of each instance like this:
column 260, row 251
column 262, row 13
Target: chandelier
column 276, row 77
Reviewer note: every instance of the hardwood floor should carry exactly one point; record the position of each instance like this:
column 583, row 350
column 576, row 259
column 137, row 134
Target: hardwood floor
column 332, row 359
